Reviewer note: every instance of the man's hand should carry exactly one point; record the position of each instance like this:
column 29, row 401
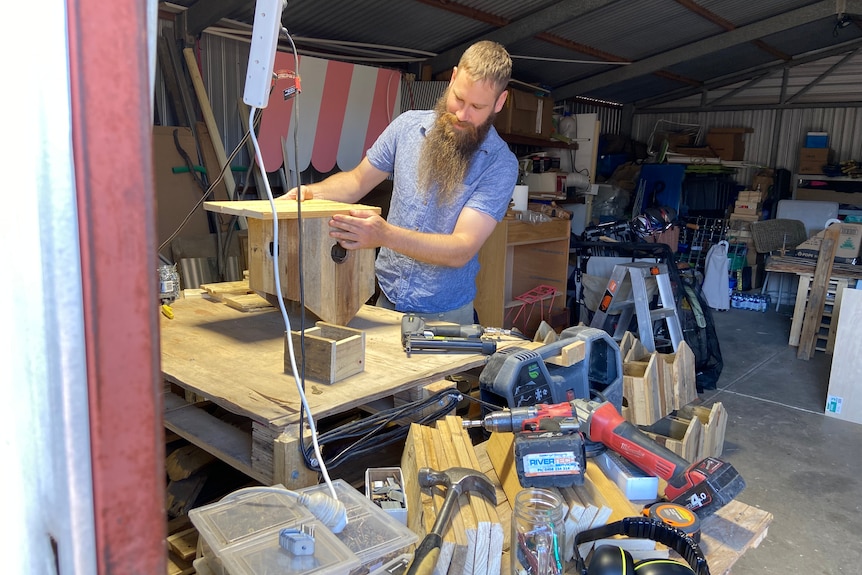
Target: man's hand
column 307, row 194
column 361, row 229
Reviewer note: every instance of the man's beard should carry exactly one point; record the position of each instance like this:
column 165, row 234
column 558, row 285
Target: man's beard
column 447, row 153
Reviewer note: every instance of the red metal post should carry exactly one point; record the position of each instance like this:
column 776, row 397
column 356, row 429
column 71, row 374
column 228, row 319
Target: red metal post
column 112, row 127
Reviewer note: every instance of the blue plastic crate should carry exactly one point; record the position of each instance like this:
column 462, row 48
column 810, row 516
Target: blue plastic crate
column 817, row 140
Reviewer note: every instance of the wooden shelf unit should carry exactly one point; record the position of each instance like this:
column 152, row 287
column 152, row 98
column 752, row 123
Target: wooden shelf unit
column 518, row 257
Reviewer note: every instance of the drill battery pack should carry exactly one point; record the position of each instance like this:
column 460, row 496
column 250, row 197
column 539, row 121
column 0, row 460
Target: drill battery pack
column 550, row 458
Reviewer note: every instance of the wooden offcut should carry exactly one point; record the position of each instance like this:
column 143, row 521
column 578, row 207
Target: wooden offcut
column 642, row 389
column 693, row 432
column 331, row 352
column 335, row 287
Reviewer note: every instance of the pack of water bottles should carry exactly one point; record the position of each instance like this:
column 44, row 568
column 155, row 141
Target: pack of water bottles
column 753, row 302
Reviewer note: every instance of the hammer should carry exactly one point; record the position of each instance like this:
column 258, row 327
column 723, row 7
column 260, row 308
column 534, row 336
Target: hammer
column 457, row 480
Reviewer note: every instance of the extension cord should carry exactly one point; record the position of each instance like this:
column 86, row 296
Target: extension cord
column 261, row 55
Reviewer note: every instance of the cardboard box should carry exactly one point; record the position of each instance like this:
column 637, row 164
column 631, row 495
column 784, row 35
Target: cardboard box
column 547, row 183
column 848, row 243
column 526, row 114
column 762, row 181
column 812, row 160
column 746, row 217
column 746, row 207
column 727, row 143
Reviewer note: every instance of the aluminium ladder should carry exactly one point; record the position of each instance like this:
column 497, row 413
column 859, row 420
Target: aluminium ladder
column 639, row 303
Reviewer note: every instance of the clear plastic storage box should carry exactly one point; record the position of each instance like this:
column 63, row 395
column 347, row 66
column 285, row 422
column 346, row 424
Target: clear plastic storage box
column 263, row 554
column 371, row 533
column 239, row 535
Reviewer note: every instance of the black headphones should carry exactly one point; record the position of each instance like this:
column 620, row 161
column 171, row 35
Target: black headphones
column 613, row 560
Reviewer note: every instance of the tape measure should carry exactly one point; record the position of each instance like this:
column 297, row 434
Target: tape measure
column 677, row 516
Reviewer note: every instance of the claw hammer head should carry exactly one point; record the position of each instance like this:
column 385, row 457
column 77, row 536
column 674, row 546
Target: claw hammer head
column 460, row 480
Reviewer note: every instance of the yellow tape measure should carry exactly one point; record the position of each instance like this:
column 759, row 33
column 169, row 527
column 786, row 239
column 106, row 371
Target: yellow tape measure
column 677, row 516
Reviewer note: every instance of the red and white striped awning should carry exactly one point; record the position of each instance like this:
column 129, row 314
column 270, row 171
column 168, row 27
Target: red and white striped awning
column 342, row 109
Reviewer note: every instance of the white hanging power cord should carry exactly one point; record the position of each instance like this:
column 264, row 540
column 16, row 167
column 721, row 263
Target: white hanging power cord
column 275, row 250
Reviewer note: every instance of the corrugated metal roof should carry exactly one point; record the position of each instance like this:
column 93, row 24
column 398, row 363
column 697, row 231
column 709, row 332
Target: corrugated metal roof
column 634, row 30
column 677, row 50
column 742, row 12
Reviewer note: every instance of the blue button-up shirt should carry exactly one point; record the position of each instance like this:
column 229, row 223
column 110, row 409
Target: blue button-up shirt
column 415, row 286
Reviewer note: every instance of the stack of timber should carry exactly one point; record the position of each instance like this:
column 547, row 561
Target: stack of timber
column 655, row 384
column 595, row 503
column 474, row 539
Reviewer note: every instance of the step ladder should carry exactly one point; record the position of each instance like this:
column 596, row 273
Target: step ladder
column 638, row 302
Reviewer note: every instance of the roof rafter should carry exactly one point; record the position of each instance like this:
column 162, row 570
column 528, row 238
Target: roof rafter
column 749, row 74
column 743, row 34
column 728, row 25
column 527, row 27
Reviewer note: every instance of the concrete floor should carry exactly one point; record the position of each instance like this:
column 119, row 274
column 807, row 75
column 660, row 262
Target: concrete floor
column 801, row 466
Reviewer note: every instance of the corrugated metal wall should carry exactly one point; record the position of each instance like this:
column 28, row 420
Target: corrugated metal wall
column 609, row 116
column 778, row 134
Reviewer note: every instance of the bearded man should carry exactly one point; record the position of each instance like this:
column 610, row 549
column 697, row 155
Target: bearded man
column 453, row 178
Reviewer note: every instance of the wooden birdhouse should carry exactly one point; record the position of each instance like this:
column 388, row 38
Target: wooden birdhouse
column 337, row 282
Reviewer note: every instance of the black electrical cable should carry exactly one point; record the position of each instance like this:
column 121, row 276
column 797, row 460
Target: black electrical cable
column 378, row 430
column 212, row 186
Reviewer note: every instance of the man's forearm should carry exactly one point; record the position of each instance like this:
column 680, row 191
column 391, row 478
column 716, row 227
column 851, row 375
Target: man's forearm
column 450, row 250
column 340, row 187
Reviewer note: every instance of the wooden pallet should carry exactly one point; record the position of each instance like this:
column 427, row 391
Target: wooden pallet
column 825, row 334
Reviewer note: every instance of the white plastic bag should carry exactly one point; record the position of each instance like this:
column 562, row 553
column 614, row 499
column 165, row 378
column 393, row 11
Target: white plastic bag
column 715, row 285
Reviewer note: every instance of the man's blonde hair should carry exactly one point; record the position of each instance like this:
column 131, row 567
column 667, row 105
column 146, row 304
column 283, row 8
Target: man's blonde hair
column 487, row 61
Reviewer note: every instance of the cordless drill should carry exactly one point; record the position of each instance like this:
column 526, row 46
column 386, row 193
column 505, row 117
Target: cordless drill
column 703, row 487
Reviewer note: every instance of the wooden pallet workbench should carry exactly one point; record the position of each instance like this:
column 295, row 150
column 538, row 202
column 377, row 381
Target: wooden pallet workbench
column 235, row 360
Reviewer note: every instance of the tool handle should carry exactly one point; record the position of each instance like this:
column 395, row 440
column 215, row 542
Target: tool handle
column 608, row 426
column 425, row 558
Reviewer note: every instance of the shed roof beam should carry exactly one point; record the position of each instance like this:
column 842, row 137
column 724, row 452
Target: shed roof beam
column 775, row 24
column 527, row 27
column 739, row 89
column 823, row 76
column 749, row 73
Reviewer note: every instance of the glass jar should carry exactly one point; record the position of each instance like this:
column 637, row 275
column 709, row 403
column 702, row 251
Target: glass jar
column 538, row 533
column 169, row 283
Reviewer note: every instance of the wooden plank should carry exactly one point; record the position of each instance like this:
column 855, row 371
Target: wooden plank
column 799, row 308
column 212, row 126
column 285, row 210
column 730, row 532
column 573, row 353
column 185, row 460
column 844, row 395
column 176, row 566
column 817, row 299
column 219, row 290
column 228, row 443
column 288, row 466
column 184, row 544
column 461, row 518
column 841, row 285
column 246, row 302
